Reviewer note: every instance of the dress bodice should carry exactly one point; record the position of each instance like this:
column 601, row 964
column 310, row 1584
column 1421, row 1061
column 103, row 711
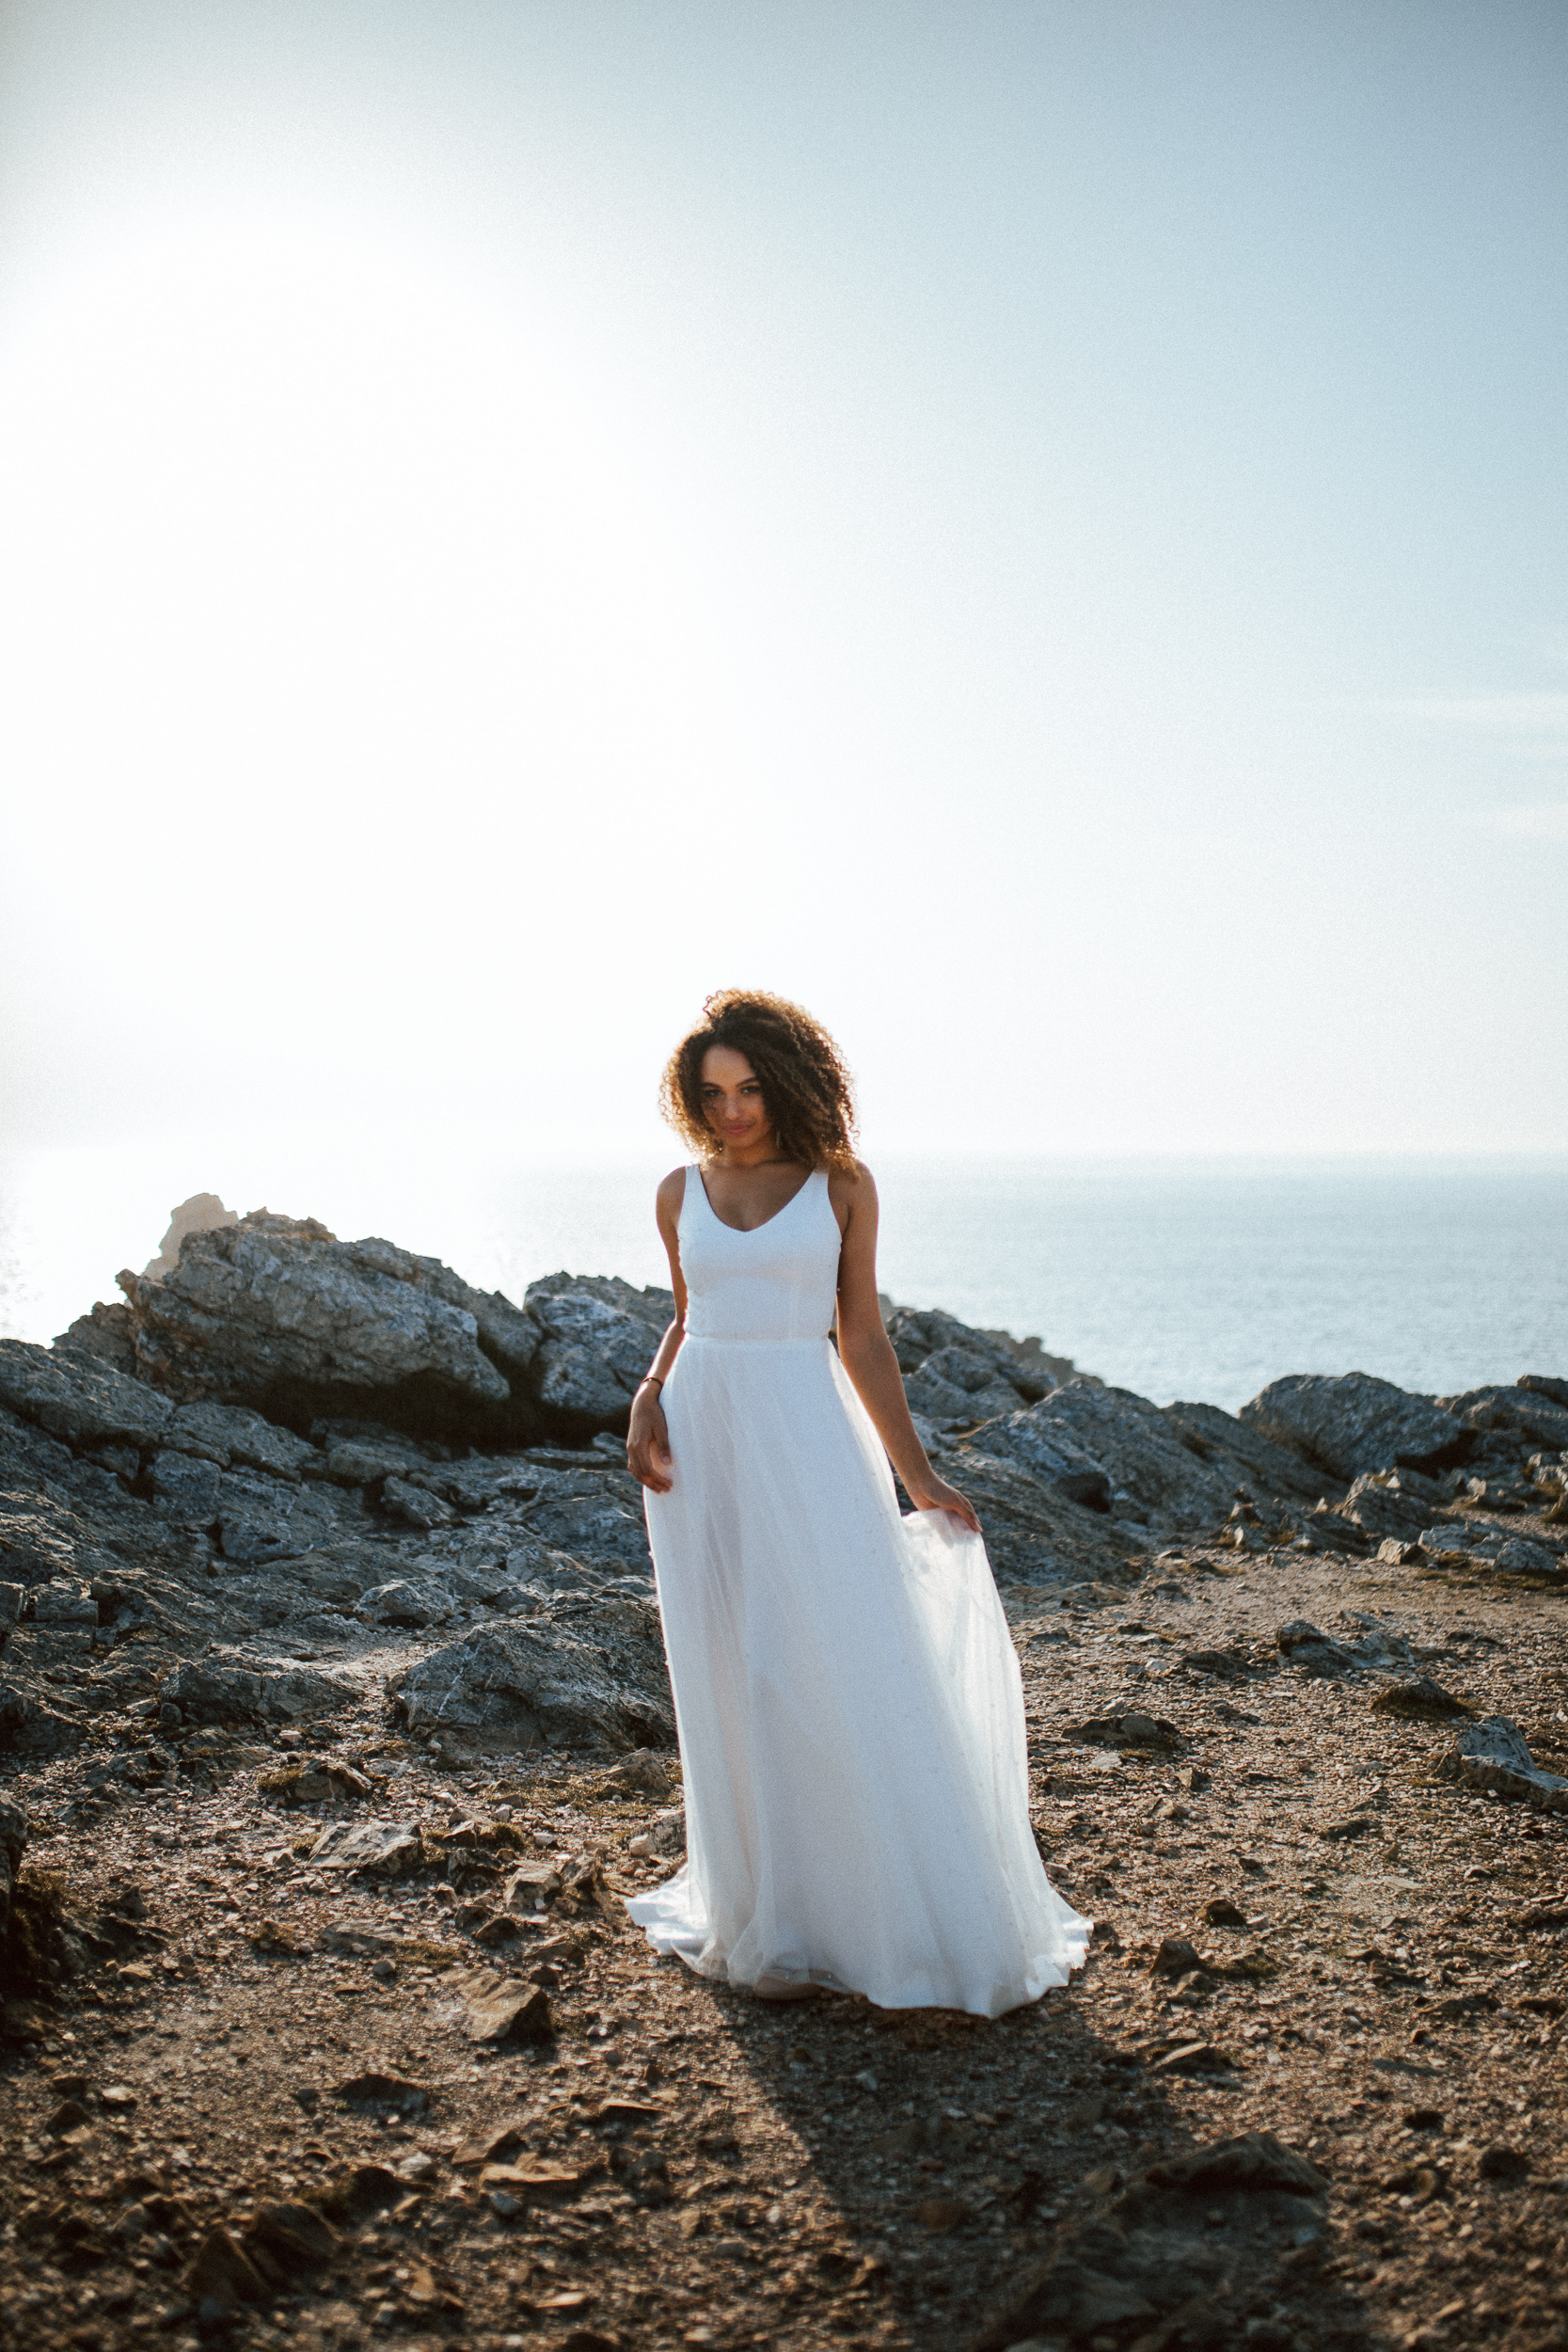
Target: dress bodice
column 780, row 1282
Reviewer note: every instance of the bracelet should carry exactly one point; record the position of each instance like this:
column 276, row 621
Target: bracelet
column 650, row 1380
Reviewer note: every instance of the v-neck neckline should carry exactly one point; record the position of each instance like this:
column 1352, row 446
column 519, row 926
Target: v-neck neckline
column 767, row 1220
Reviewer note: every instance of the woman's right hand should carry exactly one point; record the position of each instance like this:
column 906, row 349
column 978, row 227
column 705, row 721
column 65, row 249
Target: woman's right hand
column 648, row 1455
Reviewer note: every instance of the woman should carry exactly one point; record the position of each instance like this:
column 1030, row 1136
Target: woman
column 849, row 1705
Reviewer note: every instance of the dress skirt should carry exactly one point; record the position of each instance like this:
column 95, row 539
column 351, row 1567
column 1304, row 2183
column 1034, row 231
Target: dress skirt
column 849, row 1707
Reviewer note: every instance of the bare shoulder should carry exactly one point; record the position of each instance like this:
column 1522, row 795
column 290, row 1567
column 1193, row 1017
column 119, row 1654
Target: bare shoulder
column 853, row 1194
column 672, row 1191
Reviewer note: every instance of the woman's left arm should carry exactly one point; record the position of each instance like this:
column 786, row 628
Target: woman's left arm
column 867, row 1352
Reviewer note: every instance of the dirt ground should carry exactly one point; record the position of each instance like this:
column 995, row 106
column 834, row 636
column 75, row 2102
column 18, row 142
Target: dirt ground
column 255, row 2046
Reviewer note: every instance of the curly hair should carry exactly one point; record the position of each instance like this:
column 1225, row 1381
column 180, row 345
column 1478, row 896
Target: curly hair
column 805, row 1085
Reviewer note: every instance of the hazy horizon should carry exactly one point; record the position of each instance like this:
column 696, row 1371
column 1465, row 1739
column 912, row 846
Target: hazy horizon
column 1192, row 1276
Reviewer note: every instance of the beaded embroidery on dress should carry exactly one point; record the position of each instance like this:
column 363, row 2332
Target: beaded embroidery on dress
column 848, row 1696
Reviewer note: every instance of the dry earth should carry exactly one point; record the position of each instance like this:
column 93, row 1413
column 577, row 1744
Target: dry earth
column 260, row 2047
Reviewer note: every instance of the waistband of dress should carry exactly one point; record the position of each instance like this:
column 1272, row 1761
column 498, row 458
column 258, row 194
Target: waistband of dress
column 703, row 1339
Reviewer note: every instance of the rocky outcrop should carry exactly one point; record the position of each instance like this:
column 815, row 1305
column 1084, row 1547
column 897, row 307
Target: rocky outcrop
column 289, row 1452
column 276, row 1314
column 1351, row 1422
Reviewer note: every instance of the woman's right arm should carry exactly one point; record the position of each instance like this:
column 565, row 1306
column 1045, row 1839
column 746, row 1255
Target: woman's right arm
column 648, row 1456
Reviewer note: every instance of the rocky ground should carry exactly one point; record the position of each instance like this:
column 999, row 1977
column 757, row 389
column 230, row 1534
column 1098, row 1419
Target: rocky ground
column 334, row 1732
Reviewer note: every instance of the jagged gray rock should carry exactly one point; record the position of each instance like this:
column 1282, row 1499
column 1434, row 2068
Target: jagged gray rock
column 1044, row 1445
column 82, row 1403
column 1152, row 1475
column 1316, row 1652
column 1527, row 1414
column 275, row 1308
column 955, row 1377
column 228, row 1687
column 231, row 1434
column 599, row 1338
column 566, row 1676
column 104, row 1335
column 1034, row 1534
column 1353, row 1422
column 1493, row 1547
column 1383, row 1506
column 1243, row 1455
column 1495, row 1754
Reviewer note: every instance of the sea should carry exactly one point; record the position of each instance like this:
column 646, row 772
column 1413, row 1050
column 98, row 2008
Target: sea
column 1198, row 1279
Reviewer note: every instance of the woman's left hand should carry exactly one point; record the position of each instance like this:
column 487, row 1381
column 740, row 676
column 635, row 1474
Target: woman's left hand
column 937, row 1495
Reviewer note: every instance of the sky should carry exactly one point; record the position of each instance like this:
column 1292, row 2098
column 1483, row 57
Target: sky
column 1036, row 530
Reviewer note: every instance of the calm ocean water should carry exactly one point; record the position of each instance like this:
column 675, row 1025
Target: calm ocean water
column 1197, row 1280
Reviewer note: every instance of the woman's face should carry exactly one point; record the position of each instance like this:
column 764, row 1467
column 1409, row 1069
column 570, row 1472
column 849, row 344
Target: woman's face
column 732, row 1099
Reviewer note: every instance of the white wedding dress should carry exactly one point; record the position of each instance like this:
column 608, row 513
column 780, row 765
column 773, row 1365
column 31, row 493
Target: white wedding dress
column 848, row 1700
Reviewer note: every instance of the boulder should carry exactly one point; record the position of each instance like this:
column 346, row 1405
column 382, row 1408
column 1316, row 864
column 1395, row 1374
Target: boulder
column 1472, row 1540
column 502, row 2008
column 277, row 1312
column 1522, row 1555
column 383, row 1849
column 1045, row 1446
column 1495, row 1754
column 1152, row 1475
column 1534, row 1419
column 1242, row 1455
column 928, row 1340
column 83, row 1403
column 1349, row 1422
column 568, row 1675
column 1539, row 1384
column 1421, row 1700
column 1317, row 1653
column 1379, row 1505
column 1034, row 1534
column 600, row 1335
column 227, row 1688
